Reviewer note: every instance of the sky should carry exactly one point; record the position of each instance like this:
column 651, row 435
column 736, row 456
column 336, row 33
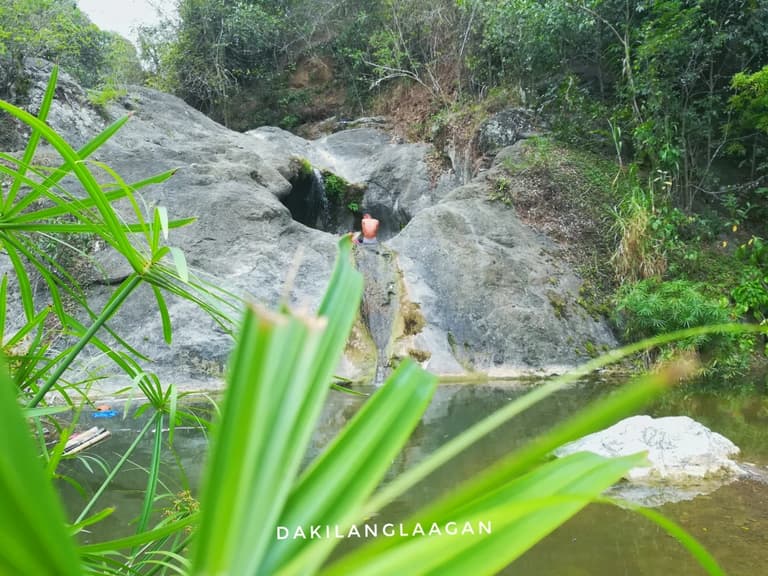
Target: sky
column 122, row 16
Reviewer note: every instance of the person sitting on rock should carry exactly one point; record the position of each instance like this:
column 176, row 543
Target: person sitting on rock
column 370, row 228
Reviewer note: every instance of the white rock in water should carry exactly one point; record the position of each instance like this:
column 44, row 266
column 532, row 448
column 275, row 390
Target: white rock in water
column 680, row 450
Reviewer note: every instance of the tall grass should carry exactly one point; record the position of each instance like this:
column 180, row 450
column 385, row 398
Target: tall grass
column 639, row 253
column 278, row 380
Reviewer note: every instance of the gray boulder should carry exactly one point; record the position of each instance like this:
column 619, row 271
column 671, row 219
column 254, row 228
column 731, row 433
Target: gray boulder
column 495, row 295
column 680, row 450
column 504, row 129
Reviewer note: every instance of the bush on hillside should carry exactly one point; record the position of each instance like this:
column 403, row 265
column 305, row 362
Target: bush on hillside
column 652, row 307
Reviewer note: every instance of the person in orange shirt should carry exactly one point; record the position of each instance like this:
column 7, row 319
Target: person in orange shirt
column 370, row 228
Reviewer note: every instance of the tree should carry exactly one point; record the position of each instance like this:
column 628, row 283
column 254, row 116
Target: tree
column 750, row 127
column 58, row 31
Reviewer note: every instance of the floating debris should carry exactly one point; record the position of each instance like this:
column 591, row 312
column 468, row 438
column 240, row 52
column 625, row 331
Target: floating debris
column 104, row 411
column 83, row 440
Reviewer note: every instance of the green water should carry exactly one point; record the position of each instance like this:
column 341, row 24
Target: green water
column 731, row 522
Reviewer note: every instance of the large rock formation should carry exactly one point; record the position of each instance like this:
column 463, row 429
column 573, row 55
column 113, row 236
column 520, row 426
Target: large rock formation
column 479, row 291
column 504, row 129
column 495, row 294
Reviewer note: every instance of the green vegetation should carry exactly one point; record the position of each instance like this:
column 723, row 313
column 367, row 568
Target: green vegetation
column 501, row 191
column 109, row 93
column 652, row 307
column 58, row 31
column 342, row 193
column 559, row 305
column 335, row 187
column 278, row 379
column 304, row 167
column 751, row 294
column 642, row 246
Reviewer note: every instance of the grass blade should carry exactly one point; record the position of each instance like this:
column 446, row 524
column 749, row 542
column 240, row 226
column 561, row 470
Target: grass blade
column 118, row 237
column 32, row 522
column 108, row 480
column 66, row 168
column 3, row 305
column 140, row 539
column 154, row 471
column 25, row 286
column 282, row 366
column 528, row 509
column 266, row 362
column 164, row 315
column 179, row 261
column 125, row 290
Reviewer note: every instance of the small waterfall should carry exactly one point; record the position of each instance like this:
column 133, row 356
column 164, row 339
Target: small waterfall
column 380, row 301
column 318, row 201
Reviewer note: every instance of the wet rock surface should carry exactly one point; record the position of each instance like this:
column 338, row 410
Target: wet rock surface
column 381, row 304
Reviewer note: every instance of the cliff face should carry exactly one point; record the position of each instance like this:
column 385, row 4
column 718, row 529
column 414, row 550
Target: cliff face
column 494, row 295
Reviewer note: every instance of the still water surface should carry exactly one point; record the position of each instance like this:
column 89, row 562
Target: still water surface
column 731, row 522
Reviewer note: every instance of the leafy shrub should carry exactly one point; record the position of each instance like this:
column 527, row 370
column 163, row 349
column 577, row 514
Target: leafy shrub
column 652, row 307
column 106, row 94
column 655, row 238
column 58, row 31
column 335, row 187
column 501, row 190
column 640, row 253
column 289, row 121
column 342, row 193
column 751, row 295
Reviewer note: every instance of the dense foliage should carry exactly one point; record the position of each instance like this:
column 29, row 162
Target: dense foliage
column 682, row 82
column 676, row 91
column 58, row 31
column 653, row 307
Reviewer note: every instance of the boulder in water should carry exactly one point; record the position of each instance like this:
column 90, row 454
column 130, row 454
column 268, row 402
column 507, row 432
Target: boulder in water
column 680, row 450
